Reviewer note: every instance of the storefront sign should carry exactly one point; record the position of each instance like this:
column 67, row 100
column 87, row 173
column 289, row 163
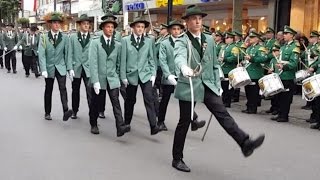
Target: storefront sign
column 164, row 3
column 137, row 6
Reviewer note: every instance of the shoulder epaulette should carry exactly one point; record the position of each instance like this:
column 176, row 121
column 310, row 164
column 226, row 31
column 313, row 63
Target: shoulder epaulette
column 296, row 50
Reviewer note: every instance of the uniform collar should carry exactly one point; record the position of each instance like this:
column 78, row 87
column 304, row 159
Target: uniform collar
column 107, row 38
column 53, row 33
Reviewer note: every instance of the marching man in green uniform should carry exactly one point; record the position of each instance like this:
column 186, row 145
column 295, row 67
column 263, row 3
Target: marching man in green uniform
column 315, row 68
column 104, row 58
column 229, row 62
column 256, row 55
column 10, row 41
column 195, row 57
column 219, row 42
column 239, row 43
column 78, row 54
column 170, row 73
column 54, row 63
column 287, row 65
column 138, row 67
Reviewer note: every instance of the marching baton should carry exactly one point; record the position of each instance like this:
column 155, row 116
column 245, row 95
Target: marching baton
column 205, row 132
column 192, row 98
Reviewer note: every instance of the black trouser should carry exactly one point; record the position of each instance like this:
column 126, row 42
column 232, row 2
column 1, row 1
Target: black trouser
column 102, row 103
column 28, row 63
column 1, row 60
column 76, row 84
column 275, row 103
column 148, row 98
column 285, row 98
column 10, row 59
column 158, row 81
column 35, row 65
column 236, row 94
column 316, row 109
column 227, row 93
column 48, row 92
column 167, row 90
column 252, row 94
column 123, row 91
column 216, row 107
column 114, row 98
column 156, row 100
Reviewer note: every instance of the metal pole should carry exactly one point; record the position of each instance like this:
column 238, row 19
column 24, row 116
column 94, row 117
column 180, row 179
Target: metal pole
column 170, row 4
column 54, row 5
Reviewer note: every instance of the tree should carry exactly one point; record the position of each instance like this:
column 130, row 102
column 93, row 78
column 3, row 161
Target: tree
column 9, row 10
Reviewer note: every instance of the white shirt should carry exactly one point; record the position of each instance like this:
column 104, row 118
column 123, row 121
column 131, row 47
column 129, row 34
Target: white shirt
column 53, row 34
column 197, row 36
column 173, row 38
column 106, row 39
column 136, row 37
column 10, row 33
column 32, row 39
column 85, row 35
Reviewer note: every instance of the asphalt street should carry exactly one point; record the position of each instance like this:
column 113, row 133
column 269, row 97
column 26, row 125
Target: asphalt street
column 32, row 148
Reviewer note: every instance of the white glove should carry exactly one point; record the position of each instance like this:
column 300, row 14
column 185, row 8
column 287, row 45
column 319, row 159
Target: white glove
column 97, row 87
column 125, row 82
column 20, row 47
column 186, row 71
column 5, row 48
column 44, row 74
column 71, row 74
column 153, row 80
column 15, row 47
column 172, row 79
column 220, row 91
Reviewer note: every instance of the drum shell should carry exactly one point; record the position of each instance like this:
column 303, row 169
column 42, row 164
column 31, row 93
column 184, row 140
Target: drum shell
column 239, row 77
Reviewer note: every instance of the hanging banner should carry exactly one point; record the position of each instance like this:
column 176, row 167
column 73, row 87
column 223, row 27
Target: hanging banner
column 112, row 6
column 164, row 3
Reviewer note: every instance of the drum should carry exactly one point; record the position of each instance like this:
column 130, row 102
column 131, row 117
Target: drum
column 270, row 85
column 311, row 87
column 301, row 75
column 239, row 77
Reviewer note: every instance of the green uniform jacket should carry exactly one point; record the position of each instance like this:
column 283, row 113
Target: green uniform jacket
column 304, row 55
column 316, row 66
column 2, row 45
column 157, row 47
column 269, row 45
column 28, row 47
column 79, row 54
column 231, row 53
column 219, row 46
column 166, row 60
column 54, row 56
column 137, row 61
column 105, row 62
column 258, row 56
column 290, row 54
column 210, row 67
column 10, row 42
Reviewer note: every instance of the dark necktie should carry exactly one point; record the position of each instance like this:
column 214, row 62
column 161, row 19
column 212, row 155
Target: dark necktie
column 83, row 37
column 108, row 43
column 55, row 39
column 138, row 40
column 198, row 40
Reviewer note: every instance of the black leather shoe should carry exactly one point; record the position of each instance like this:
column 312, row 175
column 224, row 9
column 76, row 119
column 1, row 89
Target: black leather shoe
column 67, row 115
column 101, row 115
column 227, row 105
column 274, row 118
column 27, row 75
column 195, row 124
column 155, row 130
column 311, row 120
column 250, row 145
column 8, row 71
column 180, row 165
column 162, row 126
column 245, row 111
column 47, row 117
column 95, row 130
column 315, row 126
column 14, row 72
column 252, row 112
column 280, row 119
column 269, row 111
column 235, row 100
column 306, row 107
column 74, row 115
column 1, row 67
column 275, row 113
column 122, row 130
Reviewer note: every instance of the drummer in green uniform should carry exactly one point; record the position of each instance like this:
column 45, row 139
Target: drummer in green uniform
column 287, row 65
column 229, row 62
column 219, row 42
column 256, row 55
column 239, row 43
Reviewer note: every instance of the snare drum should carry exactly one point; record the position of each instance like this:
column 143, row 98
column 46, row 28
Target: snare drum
column 239, row 77
column 311, row 87
column 301, row 75
column 271, row 85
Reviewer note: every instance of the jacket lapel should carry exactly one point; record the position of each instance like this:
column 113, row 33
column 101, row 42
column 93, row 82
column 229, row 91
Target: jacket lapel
column 104, row 44
column 86, row 40
column 134, row 43
column 171, row 41
column 141, row 43
column 194, row 42
column 59, row 39
column 204, row 44
column 51, row 38
column 80, row 39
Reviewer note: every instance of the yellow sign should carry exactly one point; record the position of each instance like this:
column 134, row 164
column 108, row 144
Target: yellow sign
column 164, row 3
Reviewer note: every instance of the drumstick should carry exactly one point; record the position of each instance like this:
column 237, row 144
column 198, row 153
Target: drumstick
column 205, row 132
column 304, row 64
